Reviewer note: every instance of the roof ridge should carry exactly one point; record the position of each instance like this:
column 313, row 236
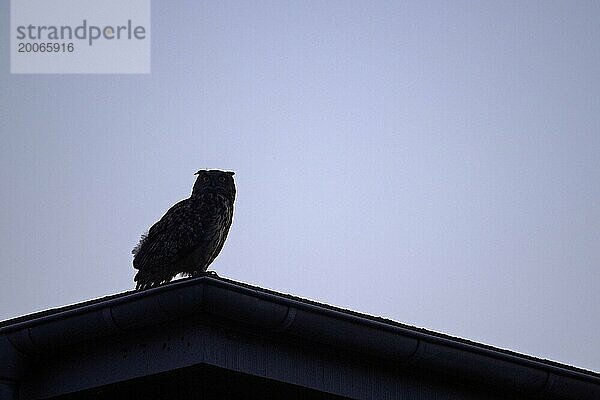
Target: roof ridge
column 381, row 320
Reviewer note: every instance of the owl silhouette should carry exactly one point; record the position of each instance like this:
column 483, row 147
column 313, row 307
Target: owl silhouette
column 190, row 235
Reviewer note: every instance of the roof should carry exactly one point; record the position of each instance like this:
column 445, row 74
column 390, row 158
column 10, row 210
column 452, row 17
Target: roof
column 255, row 307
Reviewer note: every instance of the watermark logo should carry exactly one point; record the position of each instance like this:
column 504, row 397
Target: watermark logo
column 80, row 36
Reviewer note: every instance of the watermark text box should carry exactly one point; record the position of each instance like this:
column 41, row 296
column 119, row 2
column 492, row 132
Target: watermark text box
column 80, row 36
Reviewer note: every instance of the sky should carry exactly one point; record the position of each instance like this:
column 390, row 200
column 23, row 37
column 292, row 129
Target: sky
column 436, row 163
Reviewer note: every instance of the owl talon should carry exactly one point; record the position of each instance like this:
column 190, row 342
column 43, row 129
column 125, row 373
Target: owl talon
column 205, row 273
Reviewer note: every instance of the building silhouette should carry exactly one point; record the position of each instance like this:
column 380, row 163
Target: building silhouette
column 213, row 338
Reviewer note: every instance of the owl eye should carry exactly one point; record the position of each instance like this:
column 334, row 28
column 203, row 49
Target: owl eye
column 221, row 179
column 205, row 179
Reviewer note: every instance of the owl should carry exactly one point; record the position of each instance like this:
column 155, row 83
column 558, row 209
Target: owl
column 190, row 235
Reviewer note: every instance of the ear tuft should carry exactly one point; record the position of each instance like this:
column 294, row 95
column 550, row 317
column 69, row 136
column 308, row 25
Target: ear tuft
column 230, row 173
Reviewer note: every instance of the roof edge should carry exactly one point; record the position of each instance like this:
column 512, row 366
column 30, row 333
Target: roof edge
column 281, row 314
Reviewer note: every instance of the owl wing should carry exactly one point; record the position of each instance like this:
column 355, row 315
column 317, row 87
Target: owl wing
column 173, row 237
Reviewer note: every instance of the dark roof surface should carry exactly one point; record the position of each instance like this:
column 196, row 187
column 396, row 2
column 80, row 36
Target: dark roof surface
column 56, row 313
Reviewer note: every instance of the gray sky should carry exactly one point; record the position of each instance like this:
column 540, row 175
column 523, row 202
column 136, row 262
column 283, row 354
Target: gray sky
column 433, row 163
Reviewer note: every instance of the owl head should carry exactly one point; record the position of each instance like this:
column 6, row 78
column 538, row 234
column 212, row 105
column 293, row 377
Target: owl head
column 215, row 181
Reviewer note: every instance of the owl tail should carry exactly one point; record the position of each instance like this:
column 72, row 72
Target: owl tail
column 148, row 279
